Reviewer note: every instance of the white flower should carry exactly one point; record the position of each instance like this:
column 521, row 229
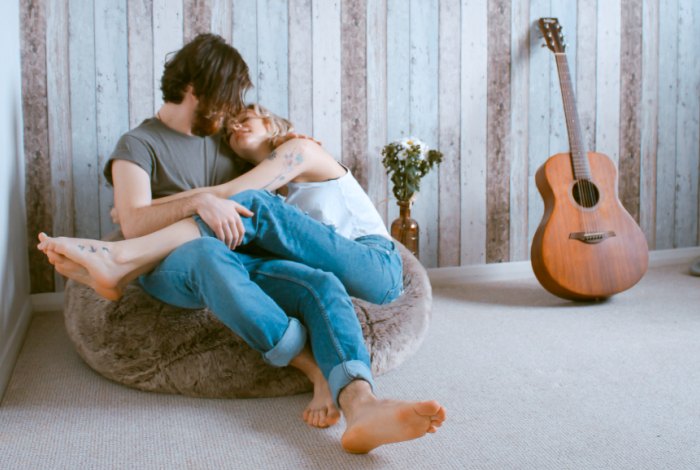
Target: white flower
column 408, row 143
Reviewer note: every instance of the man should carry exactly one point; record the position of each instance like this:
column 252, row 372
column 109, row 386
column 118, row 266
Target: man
column 256, row 295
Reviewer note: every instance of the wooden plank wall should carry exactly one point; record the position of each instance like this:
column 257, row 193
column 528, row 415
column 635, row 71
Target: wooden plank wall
column 467, row 77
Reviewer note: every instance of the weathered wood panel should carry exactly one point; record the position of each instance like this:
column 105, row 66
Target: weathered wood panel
column 36, row 139
column 112, row 93
column 668, row 102
column 688, row 124
column 449, row 187
column 326, row 74
column 300, row 76
column 398, row 74
column 83, row 129
column 519, row 101
column 630, row 110
column 586, row 32
column 272, row 56
column 222, row 19
column 196, row 18
column 423, row 97
column 608, row 79
column 353, row 86
column 141, row 76
column 473, row 67
column 377, row 103
column 167, row 38
column 650, row 119
column 498, row 133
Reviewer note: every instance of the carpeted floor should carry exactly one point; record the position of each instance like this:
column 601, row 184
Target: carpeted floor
column 529, row 381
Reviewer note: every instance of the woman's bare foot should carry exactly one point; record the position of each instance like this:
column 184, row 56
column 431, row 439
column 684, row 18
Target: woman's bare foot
column 100, row 259
column 74, row 271
column 321, row 412
column 372, row 422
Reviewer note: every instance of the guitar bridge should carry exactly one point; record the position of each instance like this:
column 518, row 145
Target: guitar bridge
column 591, row 237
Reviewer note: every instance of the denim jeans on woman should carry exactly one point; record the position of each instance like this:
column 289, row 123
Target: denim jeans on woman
column 292, row 276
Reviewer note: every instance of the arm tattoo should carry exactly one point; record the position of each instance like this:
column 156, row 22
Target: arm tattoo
column 290, row 161
column 272, row 155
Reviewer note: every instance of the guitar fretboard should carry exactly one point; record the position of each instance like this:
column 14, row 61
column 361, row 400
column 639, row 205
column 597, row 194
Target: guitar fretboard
column 579, row 160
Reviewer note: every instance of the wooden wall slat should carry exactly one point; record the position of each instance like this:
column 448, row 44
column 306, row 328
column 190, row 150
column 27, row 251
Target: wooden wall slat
column 300, row 68
column 450, row 219
column 668, row 102
column 353, row 87
column 58, row 96
column 519, row 102
column 377, row 103
column 141, row 76
column 196, row 18
column 326, row 74
column 649, row 119
column 222, row 19
column 272, row 56
column 423, row 99
column 112, row 92
column 630, row 111
column 473, row 66
column 498, row 133
column 398, row 73
column 608, row 79
column 586, row 32
column 36, row 139
column 538, row 117
column 688, row 124
column 167, row 38
column 83, row 128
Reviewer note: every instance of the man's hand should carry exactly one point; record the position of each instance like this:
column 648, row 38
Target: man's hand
column 114, row 213
column 223, row 216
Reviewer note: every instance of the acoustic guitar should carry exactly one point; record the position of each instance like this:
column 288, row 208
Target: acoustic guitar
column 587, row 246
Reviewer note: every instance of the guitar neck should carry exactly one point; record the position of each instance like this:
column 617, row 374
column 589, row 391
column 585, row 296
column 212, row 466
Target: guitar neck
column 578, row 155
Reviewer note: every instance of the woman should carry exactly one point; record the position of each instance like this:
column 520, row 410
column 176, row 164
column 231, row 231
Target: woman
column 316, row 183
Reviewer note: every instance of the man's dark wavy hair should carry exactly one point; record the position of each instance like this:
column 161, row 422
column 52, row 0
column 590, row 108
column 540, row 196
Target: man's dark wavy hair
column 217, row 72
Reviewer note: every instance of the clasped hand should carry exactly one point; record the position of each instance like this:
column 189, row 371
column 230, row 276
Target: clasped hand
column 223, row 216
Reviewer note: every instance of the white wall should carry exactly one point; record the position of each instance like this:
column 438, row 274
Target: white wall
column 15, row 306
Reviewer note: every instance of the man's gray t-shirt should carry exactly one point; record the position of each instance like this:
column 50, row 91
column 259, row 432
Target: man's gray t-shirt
column 175, row 161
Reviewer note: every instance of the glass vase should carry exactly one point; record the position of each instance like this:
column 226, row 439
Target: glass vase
column 405, row 229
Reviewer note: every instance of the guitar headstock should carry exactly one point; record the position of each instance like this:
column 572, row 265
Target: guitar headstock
column 553, row 37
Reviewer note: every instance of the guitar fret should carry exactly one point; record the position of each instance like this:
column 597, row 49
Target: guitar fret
column 578, row 155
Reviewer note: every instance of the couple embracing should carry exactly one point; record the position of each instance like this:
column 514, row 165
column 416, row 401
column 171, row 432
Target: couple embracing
column 203, row 232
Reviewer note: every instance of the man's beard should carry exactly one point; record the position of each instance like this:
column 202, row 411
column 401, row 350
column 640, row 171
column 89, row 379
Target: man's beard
column 206, row 123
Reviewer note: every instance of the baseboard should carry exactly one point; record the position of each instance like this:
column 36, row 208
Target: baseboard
column 13, row 346
column 459, row 275
column 442, row 277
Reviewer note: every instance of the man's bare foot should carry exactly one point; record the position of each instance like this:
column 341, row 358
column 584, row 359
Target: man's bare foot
column 372, row 422
column 74, row 271
column 321, row 412
column 100, row 259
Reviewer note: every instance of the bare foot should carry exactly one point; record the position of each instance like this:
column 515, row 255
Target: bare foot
column 100, row 259
column 377, row 422
column 321, row 412
column 74, row 271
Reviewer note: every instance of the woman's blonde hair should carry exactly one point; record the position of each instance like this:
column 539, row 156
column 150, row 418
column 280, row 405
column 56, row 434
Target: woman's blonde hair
column 277, row 126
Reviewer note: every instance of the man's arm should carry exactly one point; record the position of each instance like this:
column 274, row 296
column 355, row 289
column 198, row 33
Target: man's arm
column 138, row 216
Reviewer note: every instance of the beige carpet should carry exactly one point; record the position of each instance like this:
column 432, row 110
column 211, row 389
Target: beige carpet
column 529, row 381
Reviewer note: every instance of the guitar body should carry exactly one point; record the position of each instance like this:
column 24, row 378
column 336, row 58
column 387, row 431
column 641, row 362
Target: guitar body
column 608, row 252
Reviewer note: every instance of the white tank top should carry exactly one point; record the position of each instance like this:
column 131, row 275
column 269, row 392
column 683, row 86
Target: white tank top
column 341, row 203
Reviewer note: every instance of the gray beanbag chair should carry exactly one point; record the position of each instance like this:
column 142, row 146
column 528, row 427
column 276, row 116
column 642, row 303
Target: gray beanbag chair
column 146, row 344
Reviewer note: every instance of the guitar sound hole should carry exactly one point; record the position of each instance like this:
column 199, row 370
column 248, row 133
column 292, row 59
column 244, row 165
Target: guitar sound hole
column 585, row 193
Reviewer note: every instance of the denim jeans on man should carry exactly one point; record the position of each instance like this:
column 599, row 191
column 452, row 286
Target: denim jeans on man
column 288, row 263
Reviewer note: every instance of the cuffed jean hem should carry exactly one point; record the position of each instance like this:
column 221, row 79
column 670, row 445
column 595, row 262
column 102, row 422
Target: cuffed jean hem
column 344, row 373
column 289, row 346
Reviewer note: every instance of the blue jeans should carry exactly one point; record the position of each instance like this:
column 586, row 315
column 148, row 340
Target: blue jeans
column 369, row 267
column 272, row 303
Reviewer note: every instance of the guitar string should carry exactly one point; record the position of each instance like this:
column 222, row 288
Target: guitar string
column 585, row 190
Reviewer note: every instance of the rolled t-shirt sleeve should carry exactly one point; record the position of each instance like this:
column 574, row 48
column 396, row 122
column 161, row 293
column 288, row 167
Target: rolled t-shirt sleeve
column 134, row 150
